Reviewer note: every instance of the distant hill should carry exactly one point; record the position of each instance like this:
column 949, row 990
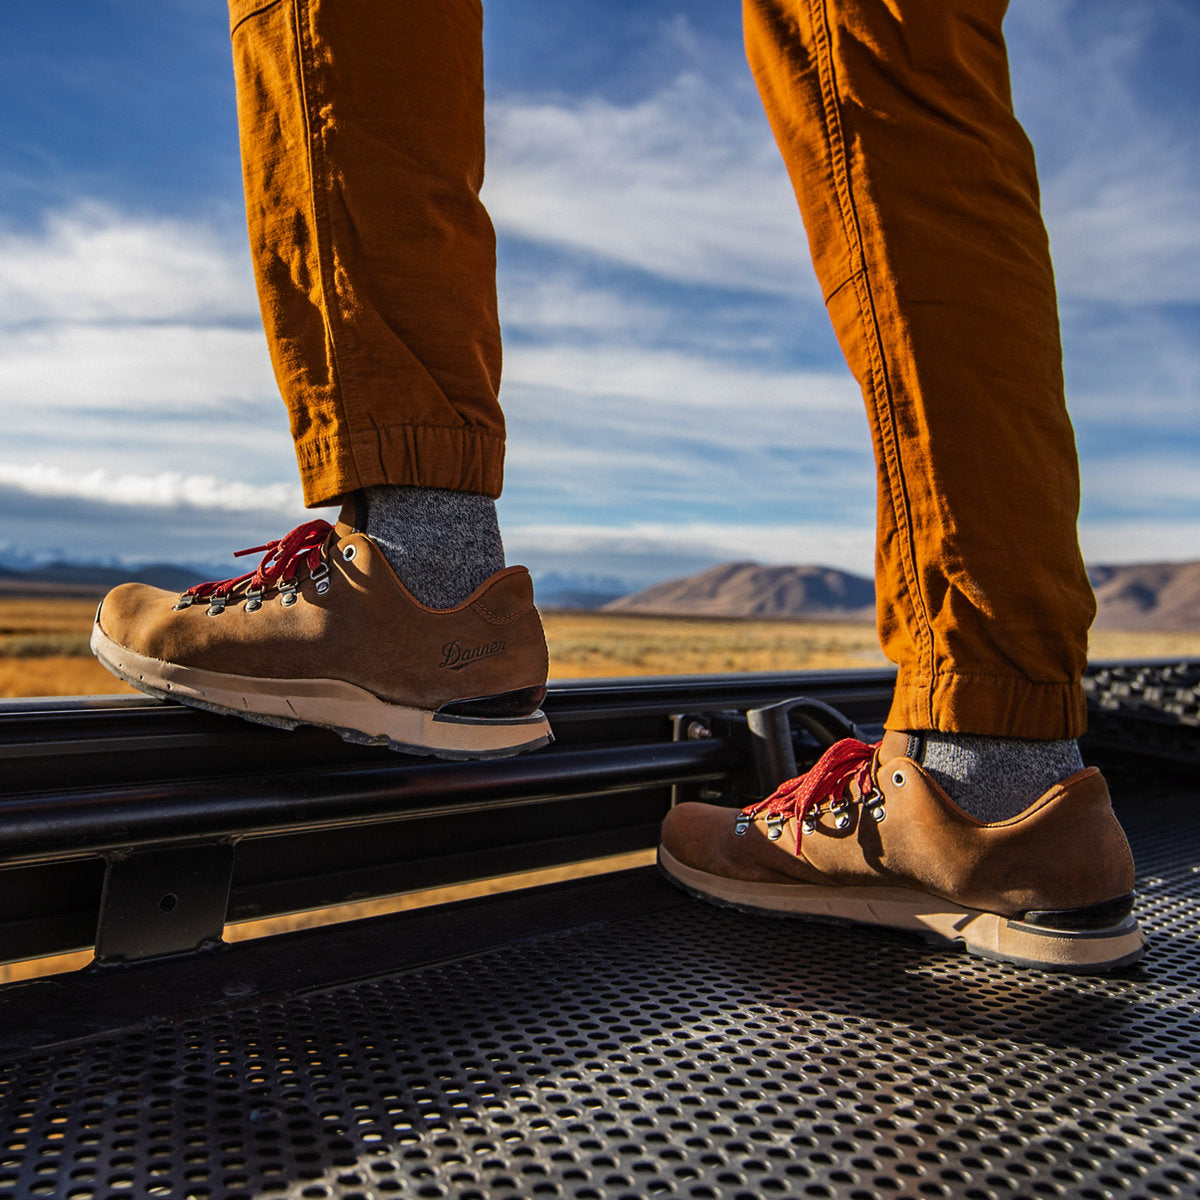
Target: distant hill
column 77, row 579
column 749, row 590
column 1160, row 597
column 574, row 591
column 1145, row 596
column 1150, row 596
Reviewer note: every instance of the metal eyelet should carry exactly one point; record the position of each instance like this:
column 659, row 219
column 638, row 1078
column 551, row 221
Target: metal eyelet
column 253, row 601
column 350, row 553
column 742, row 826
column 321, row 578
column 899, row 778
column 775, row 828
column 842, row 820
column 809, row 824
column 877, row 812
column 184, row 601
column 216, row 606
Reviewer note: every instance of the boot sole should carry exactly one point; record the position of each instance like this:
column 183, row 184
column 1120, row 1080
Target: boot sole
column 942, row 922
column 353, row 713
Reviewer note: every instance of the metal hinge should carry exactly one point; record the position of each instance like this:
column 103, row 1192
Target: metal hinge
column 158, row 902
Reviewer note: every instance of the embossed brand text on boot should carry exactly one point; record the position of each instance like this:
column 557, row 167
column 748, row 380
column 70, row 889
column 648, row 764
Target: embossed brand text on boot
column 455, row 655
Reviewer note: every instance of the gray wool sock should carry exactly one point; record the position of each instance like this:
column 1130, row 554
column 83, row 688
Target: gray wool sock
column 995, row 778
column 441, row 544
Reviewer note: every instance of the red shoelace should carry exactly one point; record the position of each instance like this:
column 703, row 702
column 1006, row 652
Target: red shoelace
column 280, row 562
column 845, row 762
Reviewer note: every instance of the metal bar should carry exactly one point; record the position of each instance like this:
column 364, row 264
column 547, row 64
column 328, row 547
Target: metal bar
column 96, row 820
column 317, row 821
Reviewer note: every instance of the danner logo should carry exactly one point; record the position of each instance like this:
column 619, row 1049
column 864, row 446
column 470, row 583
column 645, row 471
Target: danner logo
column 456, row 656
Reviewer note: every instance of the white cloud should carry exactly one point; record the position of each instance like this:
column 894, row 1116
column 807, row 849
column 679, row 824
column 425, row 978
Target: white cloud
column 1153, row 482
column 92, row 263
column 128, row 340
column 564, row 304
column 665, row 432
column 1131, row 541
column 682, row 383
column 686, row 184
column 100, row 310
column 72, row 367
column 1120, row 179
column 1133, row 368
column 647, row 551
column 165, row 490
column 1118, row 240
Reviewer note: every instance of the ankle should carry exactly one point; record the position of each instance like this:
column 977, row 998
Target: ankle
column 993, row 778
column 441, row 544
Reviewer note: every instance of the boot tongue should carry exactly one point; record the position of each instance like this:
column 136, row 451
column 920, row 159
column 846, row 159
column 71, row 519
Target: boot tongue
column 894, row 745
column 353, row 517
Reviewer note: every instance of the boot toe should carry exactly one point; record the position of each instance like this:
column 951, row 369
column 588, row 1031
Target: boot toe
column 130, row 612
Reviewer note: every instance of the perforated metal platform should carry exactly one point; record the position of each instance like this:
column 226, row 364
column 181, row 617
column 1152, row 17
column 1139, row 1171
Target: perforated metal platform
column 659, row 1047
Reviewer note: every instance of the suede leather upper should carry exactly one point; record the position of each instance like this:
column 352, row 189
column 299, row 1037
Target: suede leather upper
column 365, row 630
column 1065, row 851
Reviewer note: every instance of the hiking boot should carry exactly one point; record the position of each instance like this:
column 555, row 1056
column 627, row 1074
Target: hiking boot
column 866, row 836
column 323, row 633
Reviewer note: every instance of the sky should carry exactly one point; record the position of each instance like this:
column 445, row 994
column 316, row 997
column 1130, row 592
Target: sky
column 674, row 394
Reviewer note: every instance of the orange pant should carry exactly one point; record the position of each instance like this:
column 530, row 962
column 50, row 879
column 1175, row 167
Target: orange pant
column 362, row 152
column 362, row 132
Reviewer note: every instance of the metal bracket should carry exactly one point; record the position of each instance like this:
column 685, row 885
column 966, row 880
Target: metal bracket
column 160, row 902
column 724, row 725
column 771, row 736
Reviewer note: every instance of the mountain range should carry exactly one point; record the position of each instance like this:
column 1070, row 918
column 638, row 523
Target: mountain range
column 1162, row 596
column 747, row 589
column 1130, row 598
column 89, row 580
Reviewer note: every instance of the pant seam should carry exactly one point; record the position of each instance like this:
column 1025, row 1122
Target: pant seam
column 341, row 377
column 878, row 384
column 1025, row 682
column 258, row 10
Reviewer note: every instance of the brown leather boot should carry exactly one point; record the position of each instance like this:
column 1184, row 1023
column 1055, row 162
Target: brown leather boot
column 323, row 633
column 867, row 836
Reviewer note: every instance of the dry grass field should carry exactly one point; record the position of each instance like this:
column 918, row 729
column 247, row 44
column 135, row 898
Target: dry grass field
column 44, row 652
column 585, row 645
column 44, row 646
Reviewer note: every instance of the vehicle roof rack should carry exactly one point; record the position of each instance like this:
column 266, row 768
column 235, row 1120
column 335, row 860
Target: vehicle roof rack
column 602, row 1037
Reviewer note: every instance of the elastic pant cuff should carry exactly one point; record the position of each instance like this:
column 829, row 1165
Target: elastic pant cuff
column 995, row 705
column 457, row 459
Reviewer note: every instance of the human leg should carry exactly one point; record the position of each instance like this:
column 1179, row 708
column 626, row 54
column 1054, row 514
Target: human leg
column 362, row 138
column 363, row 149
column 919, row 194
column 362, row 146
column 920, row 197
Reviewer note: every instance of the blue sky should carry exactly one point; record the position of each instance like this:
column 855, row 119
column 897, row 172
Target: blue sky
column 674, row 394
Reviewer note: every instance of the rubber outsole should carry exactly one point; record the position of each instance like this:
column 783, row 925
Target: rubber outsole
column 351, row 712
column 941, row 922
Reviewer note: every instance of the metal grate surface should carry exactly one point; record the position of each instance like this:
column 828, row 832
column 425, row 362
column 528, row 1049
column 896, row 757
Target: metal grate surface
column 1165, row 692
column 692, row 1053
column 1149, row 709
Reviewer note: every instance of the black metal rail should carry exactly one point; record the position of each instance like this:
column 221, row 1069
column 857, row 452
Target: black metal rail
column 141, row 828
column 599, row 1039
